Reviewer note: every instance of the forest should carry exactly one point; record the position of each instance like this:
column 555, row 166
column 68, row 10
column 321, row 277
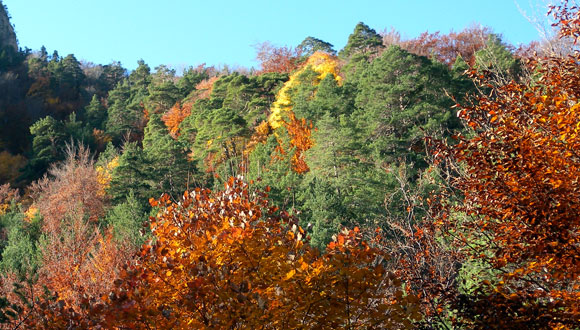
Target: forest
column 421, row 183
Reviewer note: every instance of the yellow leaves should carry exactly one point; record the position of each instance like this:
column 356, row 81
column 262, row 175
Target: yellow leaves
column 323, row 64
column 104, row 175
column 290, row 274
column 30, row 213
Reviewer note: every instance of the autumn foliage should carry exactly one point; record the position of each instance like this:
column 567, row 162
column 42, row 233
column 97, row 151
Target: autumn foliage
column 77, row 260
column 447, row 47
column 277, row 59
column 175, row 116
column 521, row 199
column 230, row 260
column 478, row 224
column 300, row 132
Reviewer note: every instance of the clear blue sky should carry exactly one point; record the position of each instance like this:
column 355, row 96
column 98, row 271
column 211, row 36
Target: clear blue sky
column 180, row 33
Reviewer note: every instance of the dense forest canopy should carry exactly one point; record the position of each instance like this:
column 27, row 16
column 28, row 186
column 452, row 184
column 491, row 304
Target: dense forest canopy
column 425, row 183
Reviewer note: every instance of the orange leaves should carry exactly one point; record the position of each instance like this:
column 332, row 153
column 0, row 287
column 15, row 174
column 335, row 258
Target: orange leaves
column 520, row 176
column 290, row 274
column 225, row 259
column 262, row 131
column 175, row 116
column 568, row 20
column 300, row 138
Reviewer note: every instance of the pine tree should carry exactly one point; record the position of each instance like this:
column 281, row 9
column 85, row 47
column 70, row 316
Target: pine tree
column 167, row 159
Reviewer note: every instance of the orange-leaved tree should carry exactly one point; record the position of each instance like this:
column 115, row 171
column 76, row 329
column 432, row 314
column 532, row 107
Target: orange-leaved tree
column 76, row 260
column 228, row 259
column 299, row 132
column 175, row 116
column 521, row 198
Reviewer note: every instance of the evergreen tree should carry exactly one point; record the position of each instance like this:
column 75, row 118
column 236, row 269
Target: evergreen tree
column 497, row 59
column 126, row 219
column 167, row 159
column 76, row 131
column 311, row 45
column 132, row 174
column 402, row 98
column 112, row 75
column 19, row 250
column 162, row 96
column 190, row 78
column 121, row 118
column 362, row 40
column 342, row 188
column 49, row 136
column 95, row 113
column 140, row 78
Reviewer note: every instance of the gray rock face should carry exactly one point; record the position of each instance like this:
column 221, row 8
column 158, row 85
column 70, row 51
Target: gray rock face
column 7, row 35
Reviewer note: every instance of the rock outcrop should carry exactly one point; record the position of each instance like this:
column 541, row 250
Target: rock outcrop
column 7, row 35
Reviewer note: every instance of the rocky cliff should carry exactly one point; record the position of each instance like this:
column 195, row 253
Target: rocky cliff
column 7, row 35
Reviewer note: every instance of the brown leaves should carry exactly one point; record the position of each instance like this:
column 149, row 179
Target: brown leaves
column 522, row 196
column 445, row 47
column 228, row 259
column 78, row 262
column 277, row 59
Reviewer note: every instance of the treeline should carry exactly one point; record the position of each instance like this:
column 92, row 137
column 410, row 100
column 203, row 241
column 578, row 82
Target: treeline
column 446, row 156
column 329, row 135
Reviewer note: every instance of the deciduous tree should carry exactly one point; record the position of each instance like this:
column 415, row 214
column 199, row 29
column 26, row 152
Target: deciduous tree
column 226, row 259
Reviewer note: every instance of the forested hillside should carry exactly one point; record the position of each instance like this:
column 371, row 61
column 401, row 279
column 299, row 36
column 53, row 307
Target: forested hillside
column 425, row 183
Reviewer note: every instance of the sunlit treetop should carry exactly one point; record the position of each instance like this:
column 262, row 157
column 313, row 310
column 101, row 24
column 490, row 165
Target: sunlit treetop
column 321, row 63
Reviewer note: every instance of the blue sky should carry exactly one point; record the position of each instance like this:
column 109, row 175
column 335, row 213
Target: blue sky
column 180, row 33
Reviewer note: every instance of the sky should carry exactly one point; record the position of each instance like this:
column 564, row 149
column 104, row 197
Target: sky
column 183, row 33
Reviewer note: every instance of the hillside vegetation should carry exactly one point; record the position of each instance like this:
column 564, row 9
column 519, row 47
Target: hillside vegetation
column 427, row 183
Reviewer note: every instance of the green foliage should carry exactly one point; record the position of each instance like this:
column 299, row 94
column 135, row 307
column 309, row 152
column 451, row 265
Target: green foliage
column 402, row 98
column 140, row 78
column 363, row 39
column 190, row 78
column 107, row 155
column 49, row 135
column 327, row 97
column 19, row 251
column 311, row 45
column 120, row 119
column 112, row 74
column 125, row 110
column 342, row 175
column 497, row 59
column 132, row 174
column 219, row 128
column 126, row 219
column 168, row 166
column 76, row 131
column 163, row 93
column 270, row 168
column 159, row 167
column 95, row 113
